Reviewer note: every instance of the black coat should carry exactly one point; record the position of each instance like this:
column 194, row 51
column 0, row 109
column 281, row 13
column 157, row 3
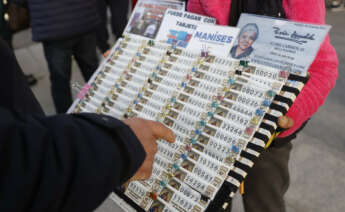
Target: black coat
column 60, row 19
column 59, row 163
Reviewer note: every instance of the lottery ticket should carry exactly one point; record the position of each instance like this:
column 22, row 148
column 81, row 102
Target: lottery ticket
column 222, row 111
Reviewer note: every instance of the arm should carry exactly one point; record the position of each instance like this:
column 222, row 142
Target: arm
column 63, row 163
column 323, row 71
column 19, row 2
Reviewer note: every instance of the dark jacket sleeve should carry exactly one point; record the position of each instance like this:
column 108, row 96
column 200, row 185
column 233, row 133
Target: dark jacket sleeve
column 19, row 2
column 65, row 162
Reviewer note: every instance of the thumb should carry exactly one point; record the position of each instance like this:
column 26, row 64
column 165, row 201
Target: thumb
column 285, row 122
column 162, row 132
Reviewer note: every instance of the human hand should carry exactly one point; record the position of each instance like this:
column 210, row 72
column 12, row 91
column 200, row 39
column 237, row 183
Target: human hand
column 106, row 54
column 148, row 132
column 285, row 122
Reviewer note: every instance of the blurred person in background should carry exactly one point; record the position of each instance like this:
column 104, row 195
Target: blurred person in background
column 7, row 34
column 66, row 28
column 119, row 11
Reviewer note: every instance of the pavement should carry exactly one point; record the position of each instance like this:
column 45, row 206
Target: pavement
column 317, row 164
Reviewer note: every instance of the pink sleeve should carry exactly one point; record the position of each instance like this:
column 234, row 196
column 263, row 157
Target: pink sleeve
column 194, row 6
column 218, row 9
column 323, row 71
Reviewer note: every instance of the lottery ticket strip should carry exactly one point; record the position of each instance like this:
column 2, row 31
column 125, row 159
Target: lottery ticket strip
column 222, row 111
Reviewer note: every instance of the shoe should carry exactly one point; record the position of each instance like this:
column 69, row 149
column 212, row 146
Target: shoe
column 335, row 4
column 31, row 79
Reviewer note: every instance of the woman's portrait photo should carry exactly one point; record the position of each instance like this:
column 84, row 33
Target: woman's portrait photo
column 248, row 35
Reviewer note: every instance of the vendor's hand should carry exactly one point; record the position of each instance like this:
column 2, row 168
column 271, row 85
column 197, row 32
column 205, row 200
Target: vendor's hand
column 106, row 54
column 148, row 132
column 285, row 122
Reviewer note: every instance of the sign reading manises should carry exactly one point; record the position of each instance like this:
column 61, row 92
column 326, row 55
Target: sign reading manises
column 278, row 43
column 215, row 39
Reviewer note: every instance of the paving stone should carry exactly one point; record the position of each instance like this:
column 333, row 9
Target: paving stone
column 316, row 176
column 22, row 39
column 108, row 206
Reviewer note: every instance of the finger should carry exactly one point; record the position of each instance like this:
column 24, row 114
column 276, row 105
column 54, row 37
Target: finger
column 162, row 132
column 126, row 184
column 143, row 176
column 148, row 173
column 145, row 173
column 282, row 122
column 106, row 53
column 154, row 148
column 290, row 123
column 285, row 122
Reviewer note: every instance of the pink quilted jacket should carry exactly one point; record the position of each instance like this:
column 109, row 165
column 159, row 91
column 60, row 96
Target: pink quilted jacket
column 324, row 69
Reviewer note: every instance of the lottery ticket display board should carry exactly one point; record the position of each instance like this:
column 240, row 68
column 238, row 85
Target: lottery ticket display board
column 222, row 111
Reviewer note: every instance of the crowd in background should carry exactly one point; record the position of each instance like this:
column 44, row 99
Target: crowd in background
column 65, row 30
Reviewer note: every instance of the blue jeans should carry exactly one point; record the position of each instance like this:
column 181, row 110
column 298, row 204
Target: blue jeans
column 59, row 54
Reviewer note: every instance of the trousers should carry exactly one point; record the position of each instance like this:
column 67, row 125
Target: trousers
column 59, row 54
column 269, row 179
column 119, row 11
